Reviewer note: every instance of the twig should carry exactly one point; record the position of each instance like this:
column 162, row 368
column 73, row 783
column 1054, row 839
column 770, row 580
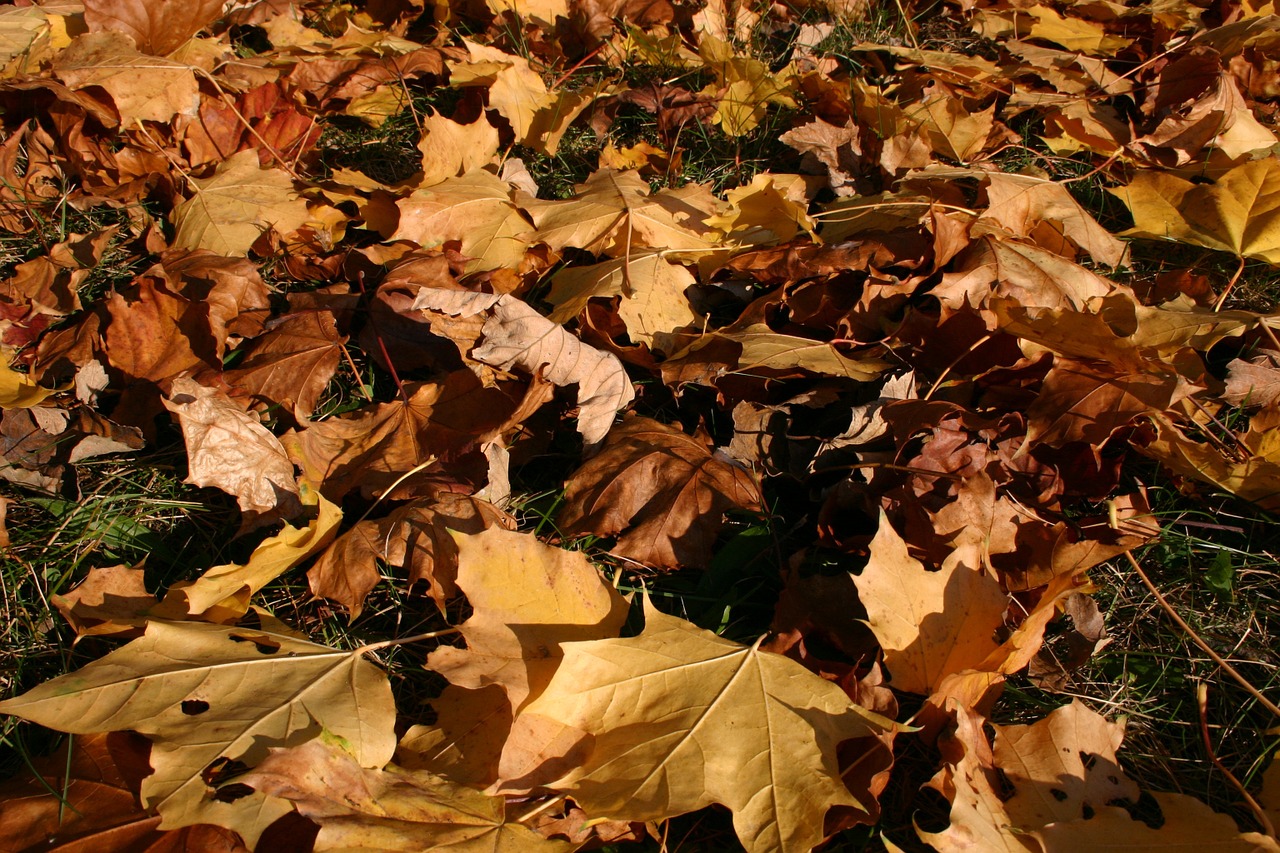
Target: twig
column 1202, row 700
column 400, row 641
column 382, row 345
column 1217, row 306
column 1195, row 638
column 539, row 809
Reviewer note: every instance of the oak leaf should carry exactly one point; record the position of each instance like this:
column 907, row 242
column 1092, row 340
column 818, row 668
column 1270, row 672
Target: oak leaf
column 514, row 335
column 157, row 27
column 229, row 211
column 229, row 449
column 1238, row 213
column 680, row 719
column 930, row 624
column 392, row 809
column 663, row 493
column 207, row 692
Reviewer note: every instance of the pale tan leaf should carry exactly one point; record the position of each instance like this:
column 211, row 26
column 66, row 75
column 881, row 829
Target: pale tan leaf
column 614, row 214
column 517, row 336
column 450, row 149
column 110, row 600
column 205, row 692
column 652, row 289
column 385, row 811
column 1021, row 203
column 1253, row 383
column 476, row 210
column 1188, row 824
column 143, row 88
column 680, row 719
column 230, row 449
column 515, row 89
column 229, row 211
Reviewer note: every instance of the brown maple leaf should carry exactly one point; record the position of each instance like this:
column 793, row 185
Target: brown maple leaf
column 664, row 492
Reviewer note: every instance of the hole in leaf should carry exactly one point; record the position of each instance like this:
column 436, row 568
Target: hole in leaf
column 193, row 707
column 1058, row 794
column 231, row 793
column 262, row 644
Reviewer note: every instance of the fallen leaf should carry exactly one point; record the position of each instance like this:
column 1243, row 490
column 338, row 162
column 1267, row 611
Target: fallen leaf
column 1238, row 213
column 110, row 600
column 614, row 214
column 515, row 89
column 663, row 493
column 226, row 590
column 450, row 149
column 527, row 600
column 517, row 336
column 229, row 211
column 1253, row 383
column 143, row 88
column 377, row 445
column 392, row 809
column 229, row 449
column 205, row 692
column 86, row 801
column 414, row 539
column 292, row 363
column 700, row 720
column 930, row 624
column 17, row 391
column 156, row 26
column 1187, row 823
column 653, row 303
column 477, row 211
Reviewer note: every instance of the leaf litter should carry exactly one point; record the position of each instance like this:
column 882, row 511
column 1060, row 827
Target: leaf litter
column 916, row 367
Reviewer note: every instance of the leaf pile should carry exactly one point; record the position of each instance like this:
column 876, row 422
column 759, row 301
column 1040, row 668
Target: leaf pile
column 911, row 382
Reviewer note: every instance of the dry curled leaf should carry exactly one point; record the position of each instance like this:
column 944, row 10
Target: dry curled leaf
column 230, row 449
column 663, row 493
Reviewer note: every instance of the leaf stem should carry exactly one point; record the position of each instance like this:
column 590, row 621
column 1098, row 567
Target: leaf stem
column 1217, row 306
column 1202, row 701
column 400, row 641
column 1195, row 638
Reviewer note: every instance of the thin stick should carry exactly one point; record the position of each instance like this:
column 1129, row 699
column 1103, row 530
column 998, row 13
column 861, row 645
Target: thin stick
column 961, row 357
column 1195, row 638
column 1217, row 306
column 1202, row 700
column 231, row 105
column 400, row 641
column 539, row 809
